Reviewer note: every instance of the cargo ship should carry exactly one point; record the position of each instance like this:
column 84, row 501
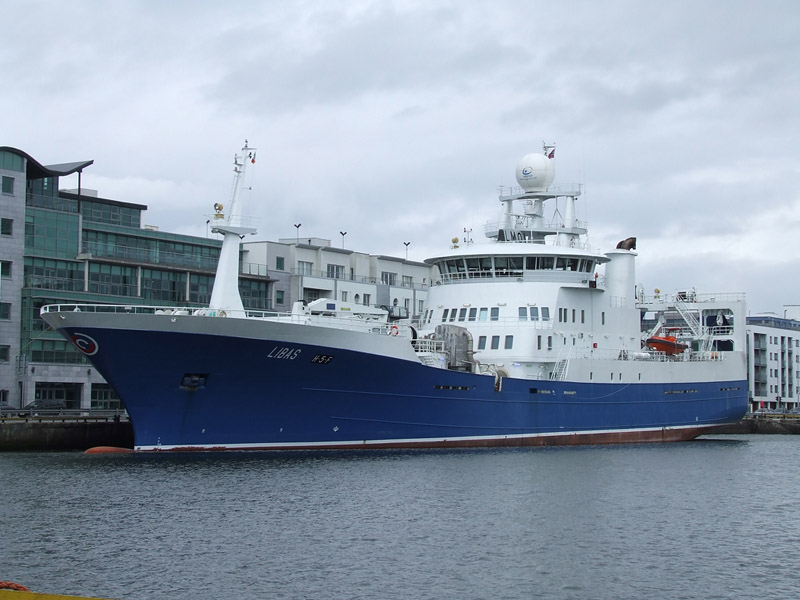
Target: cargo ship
column 531, row 337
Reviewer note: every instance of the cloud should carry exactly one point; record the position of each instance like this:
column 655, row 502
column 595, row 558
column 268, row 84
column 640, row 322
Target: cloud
column 396, row 121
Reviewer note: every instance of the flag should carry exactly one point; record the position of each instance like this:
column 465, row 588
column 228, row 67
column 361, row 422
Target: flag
column 552, row 153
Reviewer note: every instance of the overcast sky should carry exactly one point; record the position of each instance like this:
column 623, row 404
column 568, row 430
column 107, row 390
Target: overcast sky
column 396, row 121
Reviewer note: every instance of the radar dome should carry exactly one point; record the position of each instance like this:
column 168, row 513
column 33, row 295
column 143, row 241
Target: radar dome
column 535, row 172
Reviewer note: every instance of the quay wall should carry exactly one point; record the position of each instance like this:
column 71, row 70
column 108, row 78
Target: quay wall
column 63, row 434
column 778, row 424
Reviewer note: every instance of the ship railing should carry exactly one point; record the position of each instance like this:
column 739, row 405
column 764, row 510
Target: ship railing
column 687, row 334
column 425, row 345
column 545, row 275
column 505, row 322
column 626, row 354
column 350, row 322
column 693, row 297
column 528, row 223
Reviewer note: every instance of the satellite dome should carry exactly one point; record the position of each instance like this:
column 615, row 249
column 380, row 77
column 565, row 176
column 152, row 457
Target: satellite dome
column 535, row 172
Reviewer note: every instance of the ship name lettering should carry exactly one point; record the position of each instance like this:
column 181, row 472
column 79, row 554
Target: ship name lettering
column 283, row 352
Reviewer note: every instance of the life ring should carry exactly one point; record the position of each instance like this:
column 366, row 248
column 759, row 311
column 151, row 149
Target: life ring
column 393, row 330
column 10, row 585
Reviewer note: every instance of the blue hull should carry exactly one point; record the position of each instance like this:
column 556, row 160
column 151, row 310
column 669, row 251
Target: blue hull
column 248, row 393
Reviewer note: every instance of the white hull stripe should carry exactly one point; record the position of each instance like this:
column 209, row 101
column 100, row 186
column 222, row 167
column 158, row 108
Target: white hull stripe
column 409, row 441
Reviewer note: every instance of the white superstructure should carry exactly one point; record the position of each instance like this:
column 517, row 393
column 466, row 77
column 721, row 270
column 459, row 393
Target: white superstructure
column 537, row 301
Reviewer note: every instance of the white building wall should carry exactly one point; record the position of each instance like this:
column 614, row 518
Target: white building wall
column 12, row 206
column 773, row 363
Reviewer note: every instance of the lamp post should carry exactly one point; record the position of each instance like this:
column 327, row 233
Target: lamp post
column 297, row 226
column 344, row 233
column 406, row 244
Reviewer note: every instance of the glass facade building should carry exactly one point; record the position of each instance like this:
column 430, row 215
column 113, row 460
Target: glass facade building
column 66, row 246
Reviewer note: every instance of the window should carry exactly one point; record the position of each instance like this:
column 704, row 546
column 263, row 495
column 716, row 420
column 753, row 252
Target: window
column 602, row 318
column 473, row 313
column 462, row 314
column 408, row 281
column 453, row 314
column 549, row 342
column 421, row 306
column 523, row 313
column 388, row 278
column 4, row 350
column 335, row 271
column 304, row 268
column 573, row 315
column 344, row 296
column 495, row 342
column 104, row 397
column 483, row 314
column 538, row 342
column 279, row 297
column 583, row 316
column 482, row 342
column 5, row 268
column 6, row 226
column 279, row 263
column 11, row 161
column 534, row 313
column 444, row 314
column 8, row 185
column 509, row 342
column 366, row 299
column 545, row 313
column 495, row 314
column 113, row 279
column 5, row 310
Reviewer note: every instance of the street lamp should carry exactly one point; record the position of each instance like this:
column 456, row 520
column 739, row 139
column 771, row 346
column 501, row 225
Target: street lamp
column 344, row 233
column 297, row 226
column 406, row 244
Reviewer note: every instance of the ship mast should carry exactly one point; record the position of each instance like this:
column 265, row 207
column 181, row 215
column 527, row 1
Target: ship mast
column 225, row 293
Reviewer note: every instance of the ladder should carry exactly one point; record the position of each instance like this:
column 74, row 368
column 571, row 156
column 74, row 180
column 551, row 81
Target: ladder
column 687, row 316
column 562, row 366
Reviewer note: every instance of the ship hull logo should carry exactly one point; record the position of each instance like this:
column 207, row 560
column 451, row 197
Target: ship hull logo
column 85, row 343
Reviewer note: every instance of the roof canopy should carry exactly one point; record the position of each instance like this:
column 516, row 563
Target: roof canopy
column 36, row 170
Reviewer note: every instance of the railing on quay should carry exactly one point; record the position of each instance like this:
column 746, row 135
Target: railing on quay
column 63, row 415
column 360, row 279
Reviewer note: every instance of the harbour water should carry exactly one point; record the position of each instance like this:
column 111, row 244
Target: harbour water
column 715, row 518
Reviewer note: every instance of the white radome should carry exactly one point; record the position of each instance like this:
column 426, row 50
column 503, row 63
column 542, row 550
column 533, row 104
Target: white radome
column 535, row 172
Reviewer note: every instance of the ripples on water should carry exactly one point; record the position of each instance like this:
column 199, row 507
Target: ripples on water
column 715, row 518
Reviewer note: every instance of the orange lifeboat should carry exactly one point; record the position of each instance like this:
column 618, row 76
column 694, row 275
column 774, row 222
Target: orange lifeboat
column 668, row 344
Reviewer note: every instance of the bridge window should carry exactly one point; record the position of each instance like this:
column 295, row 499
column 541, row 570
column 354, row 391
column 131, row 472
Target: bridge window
column 534, row 313
column 523, row 313
column 495, row 314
